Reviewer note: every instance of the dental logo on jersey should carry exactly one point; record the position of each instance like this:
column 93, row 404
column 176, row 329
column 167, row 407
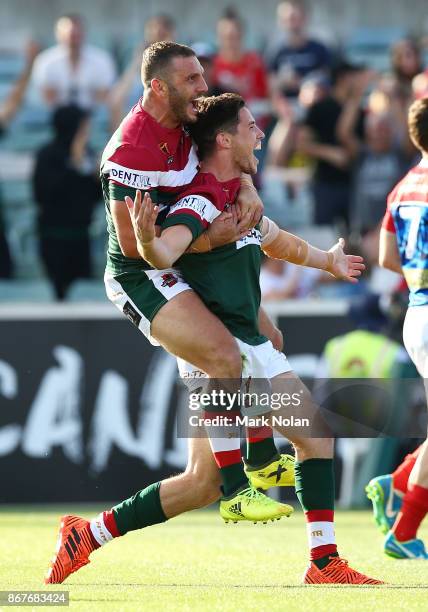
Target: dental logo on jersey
column 132, row 178
column 253, row 237
column 169, row 280
column 197, row 204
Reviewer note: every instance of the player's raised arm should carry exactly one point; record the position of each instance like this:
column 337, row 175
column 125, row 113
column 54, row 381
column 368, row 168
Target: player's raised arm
column 279, row 244
column 161, row 252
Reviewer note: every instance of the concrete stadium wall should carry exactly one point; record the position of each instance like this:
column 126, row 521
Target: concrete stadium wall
column 124, row 18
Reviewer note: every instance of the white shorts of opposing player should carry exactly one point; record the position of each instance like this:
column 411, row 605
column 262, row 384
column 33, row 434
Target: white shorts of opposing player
column 415, row 336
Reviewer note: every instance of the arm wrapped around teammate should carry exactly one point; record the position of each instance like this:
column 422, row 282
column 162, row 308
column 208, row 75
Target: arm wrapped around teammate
column 278, row 244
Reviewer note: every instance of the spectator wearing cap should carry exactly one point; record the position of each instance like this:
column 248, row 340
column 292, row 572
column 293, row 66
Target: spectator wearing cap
column 317, row 137
column 296, row 55
column 237, row 70
column 66, row 188
column 73, row 72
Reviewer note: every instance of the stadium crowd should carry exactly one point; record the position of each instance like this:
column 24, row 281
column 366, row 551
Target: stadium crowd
column 336, row 142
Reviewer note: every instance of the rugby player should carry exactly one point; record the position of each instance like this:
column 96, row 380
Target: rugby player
column 152, row 151
column 400, row 500
column 227, row 280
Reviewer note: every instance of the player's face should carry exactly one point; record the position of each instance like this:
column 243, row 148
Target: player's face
column 247, row 139
column 184, row 87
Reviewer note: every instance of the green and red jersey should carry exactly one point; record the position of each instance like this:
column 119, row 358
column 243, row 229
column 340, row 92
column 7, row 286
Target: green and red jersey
column 144, row 155
column 226, row 278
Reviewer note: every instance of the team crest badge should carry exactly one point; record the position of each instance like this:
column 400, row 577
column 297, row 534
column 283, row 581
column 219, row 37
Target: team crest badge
column 169, row 280
column 163, row 146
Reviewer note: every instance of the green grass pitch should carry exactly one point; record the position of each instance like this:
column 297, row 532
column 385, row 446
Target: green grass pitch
column 195, row 562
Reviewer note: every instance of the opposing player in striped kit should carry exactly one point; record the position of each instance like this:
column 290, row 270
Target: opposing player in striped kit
column 401, row 499
column 227, row 279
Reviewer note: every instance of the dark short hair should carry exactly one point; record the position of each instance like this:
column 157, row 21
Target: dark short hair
column 418, row 124
column 215, row 114
column 157, row 57
column 230, row 14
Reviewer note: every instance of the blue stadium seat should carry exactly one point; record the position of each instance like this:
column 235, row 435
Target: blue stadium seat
column 11, row 65
column 87, row 290
column 26, row 291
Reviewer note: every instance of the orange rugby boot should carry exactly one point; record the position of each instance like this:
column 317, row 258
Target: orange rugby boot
column 73, row 549
column 336, row 572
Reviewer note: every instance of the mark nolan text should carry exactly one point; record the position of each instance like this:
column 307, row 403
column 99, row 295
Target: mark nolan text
column 247, row 421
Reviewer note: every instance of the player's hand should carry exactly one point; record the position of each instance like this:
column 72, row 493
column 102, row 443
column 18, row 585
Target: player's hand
column 143, row 215
column 345, row 267
column 227, row 228
column 250, row 204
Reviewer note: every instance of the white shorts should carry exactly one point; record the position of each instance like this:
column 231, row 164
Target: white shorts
column 415, row 336
column 140, row 294
column 262, row 361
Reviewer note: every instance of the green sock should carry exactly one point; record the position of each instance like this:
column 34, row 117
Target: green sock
column 315, row 491
column 261, row 449
column 141, row 510
column 233, row 478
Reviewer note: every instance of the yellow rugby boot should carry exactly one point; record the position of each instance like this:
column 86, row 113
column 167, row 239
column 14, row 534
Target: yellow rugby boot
column 251, row 505
column 278, row 473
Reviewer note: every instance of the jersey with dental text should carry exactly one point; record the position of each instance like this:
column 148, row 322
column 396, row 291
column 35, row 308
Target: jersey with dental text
column 144, row 155
column 226, row 278
column 407, row 217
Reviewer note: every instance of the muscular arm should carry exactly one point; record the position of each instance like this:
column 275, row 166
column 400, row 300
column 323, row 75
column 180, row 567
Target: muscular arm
column 279, row 244
column 389, row 256
column 124, row 229
column 162, row 252
column 159, row 251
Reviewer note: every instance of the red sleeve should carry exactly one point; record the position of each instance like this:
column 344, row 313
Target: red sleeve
column 388, row 221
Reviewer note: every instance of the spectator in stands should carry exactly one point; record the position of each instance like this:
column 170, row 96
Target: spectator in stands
column 205, row 54
column 72, row 71
column 317, row 137
column 282, row 142
column 159, row 27
column 238, row 70
column 66, row 188
column 8, row 109
column 396, row 90
column 286, row 194
column 280, row 280
column 380, row 163
column 128, row 88
column 379, row 160
column 297, row 55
